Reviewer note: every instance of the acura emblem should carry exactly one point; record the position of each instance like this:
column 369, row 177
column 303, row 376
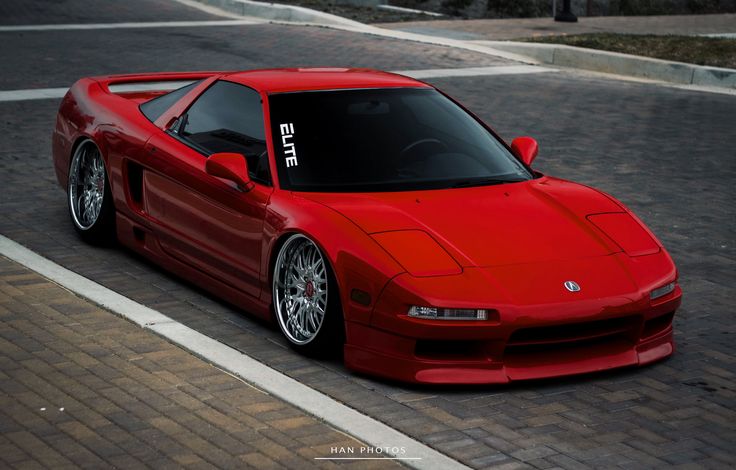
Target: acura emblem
column 572, row 286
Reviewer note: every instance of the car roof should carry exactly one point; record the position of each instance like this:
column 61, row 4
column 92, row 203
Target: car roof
column 320, row 78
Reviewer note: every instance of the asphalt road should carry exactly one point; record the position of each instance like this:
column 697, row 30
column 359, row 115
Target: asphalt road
column 666, row 153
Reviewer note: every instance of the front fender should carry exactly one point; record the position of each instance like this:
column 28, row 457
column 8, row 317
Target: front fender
column 358, row 262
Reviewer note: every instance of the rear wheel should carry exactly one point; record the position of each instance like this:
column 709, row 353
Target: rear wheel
column 305, row 297
column 89, row 196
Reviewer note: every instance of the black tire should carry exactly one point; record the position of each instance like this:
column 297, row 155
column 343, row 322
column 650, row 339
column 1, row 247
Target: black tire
column 89, row 197
column 293, row 297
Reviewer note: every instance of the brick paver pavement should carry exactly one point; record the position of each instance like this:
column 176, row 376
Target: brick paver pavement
column 500, row 29
column 81, row 387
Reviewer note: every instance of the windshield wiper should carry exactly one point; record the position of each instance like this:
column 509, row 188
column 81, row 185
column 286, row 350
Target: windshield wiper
column 484, row 182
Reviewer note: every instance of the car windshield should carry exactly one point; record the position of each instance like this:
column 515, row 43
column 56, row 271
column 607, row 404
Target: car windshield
column 389, row 139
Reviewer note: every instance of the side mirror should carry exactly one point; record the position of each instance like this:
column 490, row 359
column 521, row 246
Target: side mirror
column 525, row 148
column 229, row 166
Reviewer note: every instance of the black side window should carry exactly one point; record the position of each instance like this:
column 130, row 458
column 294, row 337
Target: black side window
column 153, row 109
column 229, row 118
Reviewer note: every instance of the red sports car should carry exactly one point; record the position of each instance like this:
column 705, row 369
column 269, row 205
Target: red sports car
column 370, row 211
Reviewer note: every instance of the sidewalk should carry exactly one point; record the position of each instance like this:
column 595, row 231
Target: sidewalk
column 495, row 37
column 499, row 35
column 82, row 387
column 507, row 29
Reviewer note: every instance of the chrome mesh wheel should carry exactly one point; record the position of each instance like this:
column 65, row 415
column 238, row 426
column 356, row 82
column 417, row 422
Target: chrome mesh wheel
column 86, row 185
column 300, row 288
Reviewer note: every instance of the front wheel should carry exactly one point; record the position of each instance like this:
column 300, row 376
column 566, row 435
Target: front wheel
column 90, row 200
column 305, row 297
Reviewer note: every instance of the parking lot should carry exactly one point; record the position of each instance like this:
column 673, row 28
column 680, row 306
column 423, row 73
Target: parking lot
column 667, row 153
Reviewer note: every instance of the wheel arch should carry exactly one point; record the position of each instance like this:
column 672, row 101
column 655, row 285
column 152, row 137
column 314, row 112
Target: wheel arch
column 95, row 138
column 278, row 243
column 102, row 230
column 77, row 142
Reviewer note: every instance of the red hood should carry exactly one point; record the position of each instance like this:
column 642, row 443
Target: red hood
column 534, row 221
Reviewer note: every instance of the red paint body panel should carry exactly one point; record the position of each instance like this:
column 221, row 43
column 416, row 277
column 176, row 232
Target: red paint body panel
column 425, row 258
column 490, row 225
column 507, row 248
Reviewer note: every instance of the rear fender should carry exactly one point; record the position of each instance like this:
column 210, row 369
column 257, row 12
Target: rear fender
column 75, row 122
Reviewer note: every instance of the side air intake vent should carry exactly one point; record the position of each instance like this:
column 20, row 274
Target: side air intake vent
column 135, row 182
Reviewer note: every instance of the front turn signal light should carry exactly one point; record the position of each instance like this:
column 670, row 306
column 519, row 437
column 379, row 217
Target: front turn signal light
column 662, row 291
column 434, row 313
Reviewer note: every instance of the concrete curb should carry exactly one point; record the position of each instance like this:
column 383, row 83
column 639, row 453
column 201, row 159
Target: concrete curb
column 280, row 12
column 620, row 64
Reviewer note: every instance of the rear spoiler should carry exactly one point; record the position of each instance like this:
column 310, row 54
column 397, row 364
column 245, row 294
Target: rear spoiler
column 151, row 82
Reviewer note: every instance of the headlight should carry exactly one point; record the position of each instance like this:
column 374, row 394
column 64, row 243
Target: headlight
column 625, row 232
column 434, row 313
column 660, row 291
column 418, row 253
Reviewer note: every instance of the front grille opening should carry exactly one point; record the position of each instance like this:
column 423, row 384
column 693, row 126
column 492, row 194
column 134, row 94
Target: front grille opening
column 657, row 324
column 580, row 348
column 450, row 350
column 576, row 332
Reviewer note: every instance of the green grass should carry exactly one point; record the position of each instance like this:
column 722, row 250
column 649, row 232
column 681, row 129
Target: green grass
column 717, row 52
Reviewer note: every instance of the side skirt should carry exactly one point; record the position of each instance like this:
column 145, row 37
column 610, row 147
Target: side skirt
column 144, row 242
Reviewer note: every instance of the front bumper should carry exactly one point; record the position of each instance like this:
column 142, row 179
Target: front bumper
column 483, row 369
column 523, row 340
